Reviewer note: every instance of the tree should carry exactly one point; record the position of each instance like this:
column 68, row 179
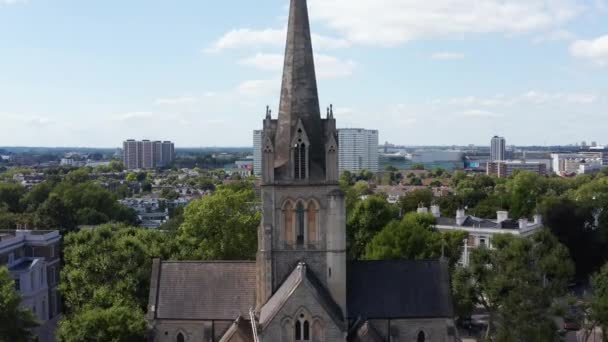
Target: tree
column 119, row 323
column 110, row 265
column 131, row 177
column 525, row 189
column 417, row 167
column 78, row 176
column 10, row 195
column 573, row 226
column 55, row 214
column 222, row 226
column 416, row 181
column 597, row 310
column 414, row 238
column 412, row 200
column 515, row 282
column 169, row 194
column 15, row 322
column 365, row 220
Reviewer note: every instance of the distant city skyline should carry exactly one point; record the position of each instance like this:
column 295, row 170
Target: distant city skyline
column 447, row 72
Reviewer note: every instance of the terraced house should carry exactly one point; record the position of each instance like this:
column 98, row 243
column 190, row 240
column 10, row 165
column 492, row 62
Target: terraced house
column 33, row 260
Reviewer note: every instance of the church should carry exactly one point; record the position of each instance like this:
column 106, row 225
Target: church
column 301, row 286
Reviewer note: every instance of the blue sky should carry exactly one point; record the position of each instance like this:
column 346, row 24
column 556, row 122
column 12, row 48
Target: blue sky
column 200, row 73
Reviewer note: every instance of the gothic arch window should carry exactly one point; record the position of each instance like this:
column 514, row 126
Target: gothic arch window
column 300, row 161
column 300, row 224
column 288, row 223
column 287, row 330
column 180, row 338
column 421, row 337
column 317, row 331
column 312, row 222
column 302, row 328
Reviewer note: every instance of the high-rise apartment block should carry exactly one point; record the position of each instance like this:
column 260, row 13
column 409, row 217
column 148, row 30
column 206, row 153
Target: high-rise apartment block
column 498, row 148
column 257, row 153
column 147, row 154
column 358, row 150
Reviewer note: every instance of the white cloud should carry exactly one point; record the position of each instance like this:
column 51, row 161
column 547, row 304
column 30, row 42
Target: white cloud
column 327, row 67
column 175, row 101
column 447, row 55
column 555, row 36
column 257, row 88
column 248, row 38
column 10, row 2
column 479, row 114
column 595, row 50
column 392, row 22
column 28, row 120
column 264, row 61
column 529, row 98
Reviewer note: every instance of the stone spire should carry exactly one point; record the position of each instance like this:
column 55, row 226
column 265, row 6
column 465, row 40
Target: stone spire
column 299, row 97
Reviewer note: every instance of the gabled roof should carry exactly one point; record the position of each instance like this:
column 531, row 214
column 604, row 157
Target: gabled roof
column 398, row 289
column 239, row 327
column 364, row 331
column 299, row 276
column 202, row 290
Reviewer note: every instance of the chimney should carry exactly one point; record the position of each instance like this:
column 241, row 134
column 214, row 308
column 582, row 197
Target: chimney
column 460, row 217
column 523, row 223
column 502, row 216
column 538, row 219
column 422, row 210
column 435, row 211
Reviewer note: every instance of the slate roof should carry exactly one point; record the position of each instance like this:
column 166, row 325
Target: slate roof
column 398, row 289
column 297, row 276
column 476, row 222
column 203, row 290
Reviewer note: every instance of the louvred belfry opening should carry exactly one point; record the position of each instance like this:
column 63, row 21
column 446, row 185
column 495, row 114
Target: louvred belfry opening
column 299, row 103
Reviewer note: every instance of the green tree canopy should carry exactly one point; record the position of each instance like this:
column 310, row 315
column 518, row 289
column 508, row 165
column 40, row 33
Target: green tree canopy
column 515, row 282
column 414, row 238
column 365, row 220
column 222, row 226
column 119, row 323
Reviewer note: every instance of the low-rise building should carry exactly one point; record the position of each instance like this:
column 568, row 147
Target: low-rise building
column 482, row 231
column 33, row 260
column 565, row 164
column 508, row 168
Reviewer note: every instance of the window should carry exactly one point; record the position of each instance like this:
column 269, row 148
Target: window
column 11, row 259
column 300, row 224
column 312, row 222
column 421, row 337
column 180, row 338
column 289, row 219
column 52, row 252
column 299, row 162
column 302, row 329
column 52, row 278
column 18, row 285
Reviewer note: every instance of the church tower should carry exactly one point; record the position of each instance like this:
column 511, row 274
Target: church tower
column 303, row 207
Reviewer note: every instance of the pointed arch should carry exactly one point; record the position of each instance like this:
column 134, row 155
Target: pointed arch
column 302, row 331
column 288, row 222
column 421, row 337
column 312, row 210
column 180, row 337
column 300, row 214
column 287, row 329
column 318, row 332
